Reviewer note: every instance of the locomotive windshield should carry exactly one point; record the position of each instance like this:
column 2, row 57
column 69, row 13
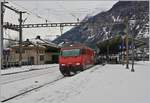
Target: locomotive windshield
column 72, row 52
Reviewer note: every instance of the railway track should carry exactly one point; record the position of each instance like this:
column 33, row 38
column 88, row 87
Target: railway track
column 27, row 77
column 38, row 87
column 20, row 94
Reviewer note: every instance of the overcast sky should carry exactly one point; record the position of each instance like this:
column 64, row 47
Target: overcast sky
column 53, row 11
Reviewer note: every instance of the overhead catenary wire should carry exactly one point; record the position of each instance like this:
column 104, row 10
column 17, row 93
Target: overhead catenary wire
column 77, row 18
column 29, row 12
column 9, row 38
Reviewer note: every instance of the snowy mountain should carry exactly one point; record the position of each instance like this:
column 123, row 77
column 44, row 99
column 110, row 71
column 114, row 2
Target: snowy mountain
column 91, row 31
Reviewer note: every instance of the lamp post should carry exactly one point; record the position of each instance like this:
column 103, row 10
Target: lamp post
column 123, row 37
column 132, row 23
column 127, row 49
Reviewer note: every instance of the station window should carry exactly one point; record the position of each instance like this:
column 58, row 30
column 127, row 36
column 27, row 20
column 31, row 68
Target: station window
column 41, row 51
column 17, row 51
column 41, row 57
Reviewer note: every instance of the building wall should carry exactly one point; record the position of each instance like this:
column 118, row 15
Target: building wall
column 48, row 57
column 29, row 56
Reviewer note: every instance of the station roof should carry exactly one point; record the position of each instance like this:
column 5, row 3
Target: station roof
column 40, row 43
column 115, row 44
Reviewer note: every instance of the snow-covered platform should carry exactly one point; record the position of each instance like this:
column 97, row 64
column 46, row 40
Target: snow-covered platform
column 100, row 84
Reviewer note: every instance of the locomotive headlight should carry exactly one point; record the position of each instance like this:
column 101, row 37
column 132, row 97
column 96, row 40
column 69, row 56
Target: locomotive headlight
column 62, row 64
column 77, row 63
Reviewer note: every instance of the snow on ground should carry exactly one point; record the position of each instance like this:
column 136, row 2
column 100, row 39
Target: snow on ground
column 100, row 84
column 26, row 68
column 14, row 84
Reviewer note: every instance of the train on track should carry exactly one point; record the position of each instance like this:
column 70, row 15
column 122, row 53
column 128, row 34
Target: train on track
column 74, row 58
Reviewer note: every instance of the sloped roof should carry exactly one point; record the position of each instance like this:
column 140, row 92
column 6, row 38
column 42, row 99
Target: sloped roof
column 43, row 42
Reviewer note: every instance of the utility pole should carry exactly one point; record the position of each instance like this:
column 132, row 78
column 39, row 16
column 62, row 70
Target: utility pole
column 37, row 54
column 13, row 27
column 2, row 34
column 127, row 49
column 132, row 46
column 108, row 53
column 20, row 38
column 1, row 38
column 61, row 29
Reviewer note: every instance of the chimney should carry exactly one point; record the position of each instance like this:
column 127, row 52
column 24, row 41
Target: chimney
column 38, row 37
column 27, row 40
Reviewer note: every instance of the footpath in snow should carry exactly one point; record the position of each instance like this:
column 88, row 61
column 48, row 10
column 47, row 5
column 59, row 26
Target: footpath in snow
column 100, row 84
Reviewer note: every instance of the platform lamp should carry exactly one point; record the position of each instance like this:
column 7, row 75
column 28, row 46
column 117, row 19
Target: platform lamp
column 132, row 25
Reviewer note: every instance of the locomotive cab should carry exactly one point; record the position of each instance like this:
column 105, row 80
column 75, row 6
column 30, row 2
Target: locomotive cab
column 75, row 58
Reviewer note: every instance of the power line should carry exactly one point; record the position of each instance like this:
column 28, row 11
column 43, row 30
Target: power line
column 69, row 12
column 29, row 12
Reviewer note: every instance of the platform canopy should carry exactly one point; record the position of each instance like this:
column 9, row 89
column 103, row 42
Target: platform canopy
column 116, row 44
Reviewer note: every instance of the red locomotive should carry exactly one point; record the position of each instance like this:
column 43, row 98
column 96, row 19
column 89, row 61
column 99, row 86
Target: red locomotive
column 75, row 58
